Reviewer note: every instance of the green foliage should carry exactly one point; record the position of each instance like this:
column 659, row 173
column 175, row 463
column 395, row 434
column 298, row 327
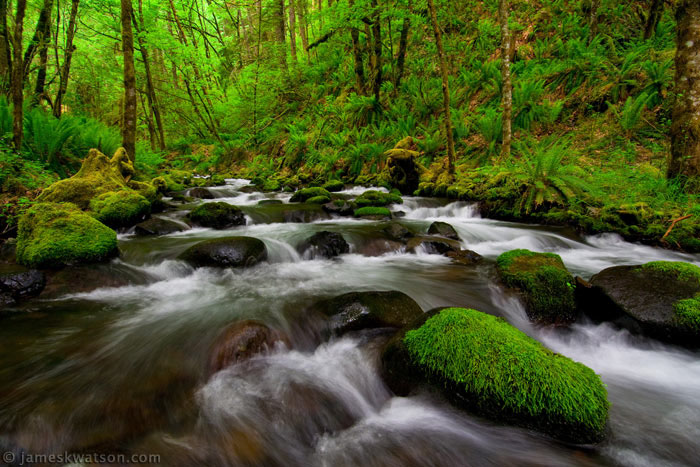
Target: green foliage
column 631, row 113
column 503, row 371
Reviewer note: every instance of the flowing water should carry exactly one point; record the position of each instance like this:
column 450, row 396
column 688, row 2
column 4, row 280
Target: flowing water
column 124, row 368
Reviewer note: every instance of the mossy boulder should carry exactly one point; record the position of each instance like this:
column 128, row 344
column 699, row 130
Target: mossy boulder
column 377, row 199
column 217, row 215
column 318, row 200
column 371, row 212
column 52, row 235
column 334, row 186
column 546, row 285
column 340, row 207
column 97, row 175
column 308, row 193
column 146, row 190
column 228, row 252
column 120, row 208
column 485, row 365
column 201, row 193
column 661, row 299
column 402, row 168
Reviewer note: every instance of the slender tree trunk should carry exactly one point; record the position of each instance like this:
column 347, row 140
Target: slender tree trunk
column 5, row 54
column 507, row 54
column 280, row 33
column 42, row 31
column 655, row 13
column 685, row 128
column 403, row 45
column 150, row 88
column 44, row 40
column 257, row 75
column 17, row 82
column 377, row 34
column 357, row 54
column 68, row 56
column 445, row 89
column 592, row 20
column 292, row 31
column 148, row 113
column 129, row 121
column 303, row 27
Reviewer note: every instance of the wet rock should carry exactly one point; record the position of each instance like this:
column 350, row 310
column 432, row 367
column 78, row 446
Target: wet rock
column 363, row 310
column 241, row 341
column 325, row 245
column 82, row 279
column 339, row 207
column 217, row 216
column 18, row 283
column 226, row 252
column 443, row 229
column 286, row 213
column 201, row 193
column 466, row 257
column 433, row 245
column 661, row 299
column 158, row 226
column 379, row 247
column 398, row 232
column 267, row 202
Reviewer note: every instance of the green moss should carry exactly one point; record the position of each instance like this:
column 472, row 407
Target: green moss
column 688, row 313
column 146, row 190
column 218, row 180
column 53, row 235
column 377, row 199
column 160, row 184
column 372, row 211
column 334, row 186
column 217, row 215
column 318, row 200
column 679, row 270
column 503, row 370
column 308, row 193
column 271, row 185
column 546, row 284
column 120, row 208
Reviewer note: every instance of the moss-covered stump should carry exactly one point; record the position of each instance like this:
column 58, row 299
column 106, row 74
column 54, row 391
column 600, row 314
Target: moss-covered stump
column 305, row 194
column 120, row 208
column 546, row 285
column 229, row 252
column 377, row 199
column 661, row 299
column 52, row 235
column 217, row 215
column 485, row 365
column 402, row 167
column 373, row 213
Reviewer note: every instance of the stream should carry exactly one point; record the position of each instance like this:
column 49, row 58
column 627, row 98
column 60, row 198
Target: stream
column 124, row 368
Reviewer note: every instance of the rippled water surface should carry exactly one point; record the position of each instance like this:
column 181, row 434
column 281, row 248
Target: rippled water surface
column 124, row 369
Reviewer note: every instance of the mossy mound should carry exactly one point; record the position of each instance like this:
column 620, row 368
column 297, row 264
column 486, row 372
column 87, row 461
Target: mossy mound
column 217, row 215
column 377, row 199
column 146, row 190
column 52, row 235
column 309, row 193
column 548, row 288
column 486, row 365
column 96, row 176
column 120, row 208
column 319, row 200
column 371, row 211
column 334, row 186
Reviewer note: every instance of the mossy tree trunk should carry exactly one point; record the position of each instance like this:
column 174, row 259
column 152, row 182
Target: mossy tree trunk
column 280, row 33
column 685, row 128
column 357, row 54
column 5, row 54
column 445, row 88
column 403, row 45
column 507, row 55
column 129, row 120
column 67, row 58
column 44, row 37
column 655, row 12
column 377, row 35
column 292, row 32
column 41, row 31
column 17, row 81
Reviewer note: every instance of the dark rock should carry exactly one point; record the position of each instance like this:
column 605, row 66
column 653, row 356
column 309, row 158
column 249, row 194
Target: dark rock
column 267, row 202
column 403, row 170
column 241, row 341
column 443, row 229
column 398, row 232
column 82, row 279
column 379, row 247
column 217, row 215
column 339, row 207
column 466, row 257
column 433, row 245
column 158, row 226
column 226, row 252
column 18, row 283
column 287, row 213
column 201, row 193
column 362, row 310
column 249, row 189
column 325, row 245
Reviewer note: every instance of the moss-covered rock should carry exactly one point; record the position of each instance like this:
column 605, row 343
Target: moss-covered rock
column 334, row 186
column 377, row 199
column 546, row 285
column 485, row 365
column 661, row 299
column 402, row 169
column 53, row 235
column 146, row 190
column 217, row 215
column 120, row 208
column 318, row 200
column 373, row 212
column 160, row 184
column 309, row 193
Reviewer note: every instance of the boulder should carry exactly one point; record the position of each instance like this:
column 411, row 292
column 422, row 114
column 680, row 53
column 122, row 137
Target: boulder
column 52, row 235
column 545, row 284
column 308, row 193
column 334, row 186
column 201, row 193
column 363, row 310
column 267, row 202
column 319, row 200
column 18, row 283
column 403, row 169
column 217, row 215
column 324, row 245
column 443, row 229
column 661, row 299
column 120, row 208
column 379, row 247
column 241, row 341
column 287, row 213
column 339, row 207
column 228, row 252
column 483, row 364
column 397, row 232
column 433, row 245
column 377, row 199
column 158, row 226
column 465, row 257
column 373, row 213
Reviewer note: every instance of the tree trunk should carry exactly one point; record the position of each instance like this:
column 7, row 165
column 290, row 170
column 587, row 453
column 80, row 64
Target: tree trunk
column 43, row 59
column 280, row 33
column 150, row 88
column 357, row 54
column 292, row 31
column 303, row 27
column 445, row 89
column 403, row 45
column 129, row 121
column 685, row 128
column 507, row 54
column 17, row 80
column 68, row 56
column 5, row 54
column 655, row 13
column 377, row 34
column 42, row 31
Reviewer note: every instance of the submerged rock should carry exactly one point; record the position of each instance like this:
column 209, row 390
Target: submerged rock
column 396, row 231
column 53, row 235
column 544, row 282
column 201, row 193
column 325, row 245
column 288, row 213
column 159, row 226
column 226, row 252
column 18, row 283
column 485, row 365
column 241, row 341
column 217, row 215
column 443, row 229
column 433, row 245
column 362, row 310
column 661, row 299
